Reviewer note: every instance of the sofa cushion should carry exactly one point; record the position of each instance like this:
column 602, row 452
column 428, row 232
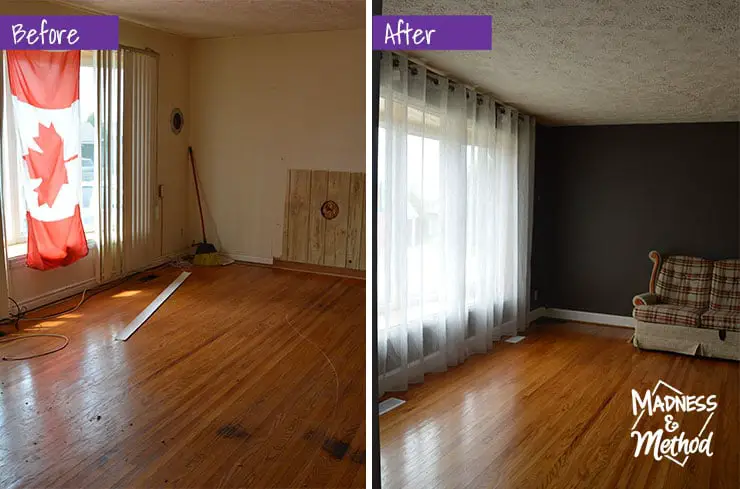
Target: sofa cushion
column 667, row 314
column 684, row 281
column 729, row 320
column 725, row 295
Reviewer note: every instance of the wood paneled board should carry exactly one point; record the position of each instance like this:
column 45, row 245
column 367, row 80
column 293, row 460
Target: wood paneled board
column 308, row 236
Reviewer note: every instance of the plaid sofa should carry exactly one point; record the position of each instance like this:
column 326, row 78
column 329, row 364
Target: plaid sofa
column 688, row 294
column 724, row 299
column 679, row 293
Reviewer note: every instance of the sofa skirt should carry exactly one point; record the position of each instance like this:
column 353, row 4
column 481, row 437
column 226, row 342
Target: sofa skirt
column 687, row 341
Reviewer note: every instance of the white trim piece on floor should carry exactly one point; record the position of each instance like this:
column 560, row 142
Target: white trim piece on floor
column 591, row 317
column 151, row 308
column 389, row 404
column 515, row 339
column 248, row 259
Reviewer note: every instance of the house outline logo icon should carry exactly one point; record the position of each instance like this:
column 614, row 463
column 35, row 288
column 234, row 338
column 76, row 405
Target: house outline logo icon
column 670, row 442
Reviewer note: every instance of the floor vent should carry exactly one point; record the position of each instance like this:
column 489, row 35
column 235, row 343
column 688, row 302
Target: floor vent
column 515, row 339
column 389, row 404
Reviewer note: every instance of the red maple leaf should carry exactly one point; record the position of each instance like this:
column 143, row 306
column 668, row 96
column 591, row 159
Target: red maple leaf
column 48, row 165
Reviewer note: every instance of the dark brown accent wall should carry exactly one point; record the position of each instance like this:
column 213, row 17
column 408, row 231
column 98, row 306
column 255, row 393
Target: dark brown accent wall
column 606, row 195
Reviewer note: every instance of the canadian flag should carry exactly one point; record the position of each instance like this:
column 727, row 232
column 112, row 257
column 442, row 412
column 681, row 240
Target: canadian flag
column 45, row 89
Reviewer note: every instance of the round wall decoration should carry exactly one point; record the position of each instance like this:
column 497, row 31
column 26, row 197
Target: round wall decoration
column 176, row 121
column 329, row 209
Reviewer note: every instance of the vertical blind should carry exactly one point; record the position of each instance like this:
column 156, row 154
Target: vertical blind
column 141, row 220
column 109, row 158
column 127, row 109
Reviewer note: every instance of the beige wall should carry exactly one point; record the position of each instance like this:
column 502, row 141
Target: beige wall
column 260, row 106
column 26, row 284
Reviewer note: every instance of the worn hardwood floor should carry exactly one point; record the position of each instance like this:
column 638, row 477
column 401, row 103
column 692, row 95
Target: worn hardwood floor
column 215, row 390
column 555, row 411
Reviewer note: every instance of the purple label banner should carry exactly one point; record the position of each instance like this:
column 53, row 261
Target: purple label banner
column 58, row 32
column 433, row 32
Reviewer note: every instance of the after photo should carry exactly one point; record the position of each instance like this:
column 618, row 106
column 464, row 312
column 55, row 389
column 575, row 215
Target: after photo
column 557, row 237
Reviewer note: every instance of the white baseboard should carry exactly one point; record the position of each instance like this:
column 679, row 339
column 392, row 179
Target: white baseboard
column 590, row 317
column 72, row 289
column 536, row 314
column 56, row 295
column 248, row 259
column 160, row 261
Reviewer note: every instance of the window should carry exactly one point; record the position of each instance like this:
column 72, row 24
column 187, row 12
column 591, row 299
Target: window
column 429, row 194
column 13, row 164
column 88, row 138
column 424, row 211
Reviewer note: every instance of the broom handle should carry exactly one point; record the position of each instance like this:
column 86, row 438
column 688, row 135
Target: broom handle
column 197, row 192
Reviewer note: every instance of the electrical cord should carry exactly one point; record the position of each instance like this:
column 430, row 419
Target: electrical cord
column 181, row 263
column 57, row 314
column 34, row 335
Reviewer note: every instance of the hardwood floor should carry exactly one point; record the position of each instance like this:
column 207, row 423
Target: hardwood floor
column 215, row 390
column 554, row 411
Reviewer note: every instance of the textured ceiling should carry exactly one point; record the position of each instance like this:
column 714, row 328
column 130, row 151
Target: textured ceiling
column 227, row 18
column 601, row 62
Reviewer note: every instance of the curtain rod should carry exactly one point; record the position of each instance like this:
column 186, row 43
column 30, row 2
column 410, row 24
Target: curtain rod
column 438, row 72
column 148, row 51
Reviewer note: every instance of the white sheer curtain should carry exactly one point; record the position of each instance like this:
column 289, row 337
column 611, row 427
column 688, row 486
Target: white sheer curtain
column 455, row 173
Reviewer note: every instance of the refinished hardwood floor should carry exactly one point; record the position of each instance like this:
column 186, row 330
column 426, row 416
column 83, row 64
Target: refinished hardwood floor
column 555, row 411
column 215, row 390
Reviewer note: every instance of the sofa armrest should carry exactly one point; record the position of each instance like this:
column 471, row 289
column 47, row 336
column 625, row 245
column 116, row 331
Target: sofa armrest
column 645, row 299
column 656, row 259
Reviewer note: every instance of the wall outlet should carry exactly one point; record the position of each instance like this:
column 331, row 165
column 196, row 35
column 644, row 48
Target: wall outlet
column 536, row 294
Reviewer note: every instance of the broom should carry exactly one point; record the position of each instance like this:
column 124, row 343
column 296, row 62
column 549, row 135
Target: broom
column 205, row 253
